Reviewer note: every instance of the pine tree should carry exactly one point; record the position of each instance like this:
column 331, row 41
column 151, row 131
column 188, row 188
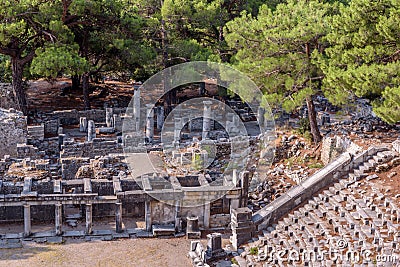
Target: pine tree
column 25, row 27
column 364, row 58
column 276, row 50
column 109, row 37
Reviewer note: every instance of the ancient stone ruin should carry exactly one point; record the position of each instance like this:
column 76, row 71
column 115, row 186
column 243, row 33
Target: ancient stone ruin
column 73, row 168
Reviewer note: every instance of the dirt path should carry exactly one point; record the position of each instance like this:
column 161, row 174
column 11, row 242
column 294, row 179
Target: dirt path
column 129, row 252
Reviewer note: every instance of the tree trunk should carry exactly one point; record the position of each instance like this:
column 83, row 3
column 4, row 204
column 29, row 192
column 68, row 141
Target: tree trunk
column 76, row 82
column 85, row 90
column 168, row 100
column 18, row 86
column 312, row 117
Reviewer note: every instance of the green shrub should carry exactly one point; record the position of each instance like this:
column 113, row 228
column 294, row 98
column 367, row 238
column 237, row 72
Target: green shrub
column 254, row 251
column 304, row 126
column 316, row 165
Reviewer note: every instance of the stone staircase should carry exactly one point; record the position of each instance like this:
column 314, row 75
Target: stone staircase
column 349, row 219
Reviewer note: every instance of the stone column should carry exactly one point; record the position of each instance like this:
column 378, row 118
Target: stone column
column 136, row 108
column 27, row 220
column 83, row 124
column 160, row 118
column 234, row 177
column 244, row 184
column 58, row 218
column 177, row 129
column 234, row 203
column 117, row 122
column 206, row 119
column 118, row 217
column 109, row 117
column 202, row 88
column 149, row 123
column 148, row 215
column 61, row 138
column 88, row 229
column 91, row 131
column 178, row 227
column 260, row 116
column 235, row 121
column 206, row 221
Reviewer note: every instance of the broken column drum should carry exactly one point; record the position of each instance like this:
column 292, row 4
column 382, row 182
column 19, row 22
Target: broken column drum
column 206, row 119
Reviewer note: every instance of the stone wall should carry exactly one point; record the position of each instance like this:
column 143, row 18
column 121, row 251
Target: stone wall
column 332, row 147
column 51, row 126
column 98, row 147
column 71, row 117
column 129, row 185
column 133, row 208
column 103, row 188
column 36, row 132
column 220, row 220
column 69, row 166
column 129, row 209
column 13, row 131
column 6, row 96
column 50, row 146
column 43, row 213
column 162, row 213
column 5, row 165
column 11, row 188
column 193, row 211
column 27, row 151
column 43, row 187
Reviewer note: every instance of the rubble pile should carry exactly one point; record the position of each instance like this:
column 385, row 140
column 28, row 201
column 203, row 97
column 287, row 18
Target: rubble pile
column 37, row 170
column 289, row 146
column 262, row 195
column 105, row 167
